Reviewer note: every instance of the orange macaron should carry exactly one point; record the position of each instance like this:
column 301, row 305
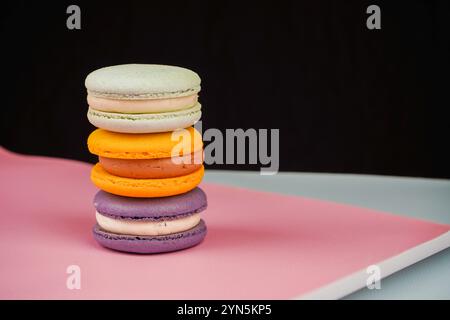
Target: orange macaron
column 147, row 165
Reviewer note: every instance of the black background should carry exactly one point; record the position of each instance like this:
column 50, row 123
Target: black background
column 345, row 98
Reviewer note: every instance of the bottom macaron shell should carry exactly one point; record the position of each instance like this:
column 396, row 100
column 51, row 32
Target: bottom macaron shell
column 151, row 244
column 145, row 188
column 145, row 123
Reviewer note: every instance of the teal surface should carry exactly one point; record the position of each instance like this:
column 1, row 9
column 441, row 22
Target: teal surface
column 427, row 199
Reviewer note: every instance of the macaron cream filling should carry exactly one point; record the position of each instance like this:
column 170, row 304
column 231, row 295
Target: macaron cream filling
column 147, row 227
column 142, row 106
column 153, row 168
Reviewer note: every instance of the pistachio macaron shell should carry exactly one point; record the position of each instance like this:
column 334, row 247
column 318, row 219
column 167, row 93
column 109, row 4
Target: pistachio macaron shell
column 142, row 81
column 144, row 146
column 146, row 122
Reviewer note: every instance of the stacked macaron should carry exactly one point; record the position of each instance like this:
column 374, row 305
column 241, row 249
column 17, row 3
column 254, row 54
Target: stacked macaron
column 150, row 157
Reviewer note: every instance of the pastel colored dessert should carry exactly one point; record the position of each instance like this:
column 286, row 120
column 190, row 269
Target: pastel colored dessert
column 150, row 225
column 143, row 98
column 150, row 157
column 147, row 165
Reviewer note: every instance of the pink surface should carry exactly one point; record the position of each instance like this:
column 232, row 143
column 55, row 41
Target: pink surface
column 260, row 245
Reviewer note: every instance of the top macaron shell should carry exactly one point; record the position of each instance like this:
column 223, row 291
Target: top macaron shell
column 144, row 146
column 120, row 207
column 142, row 81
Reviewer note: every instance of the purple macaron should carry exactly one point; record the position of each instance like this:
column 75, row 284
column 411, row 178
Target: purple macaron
column 151, row 209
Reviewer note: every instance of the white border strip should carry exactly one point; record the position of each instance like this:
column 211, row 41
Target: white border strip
column 344, row 286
